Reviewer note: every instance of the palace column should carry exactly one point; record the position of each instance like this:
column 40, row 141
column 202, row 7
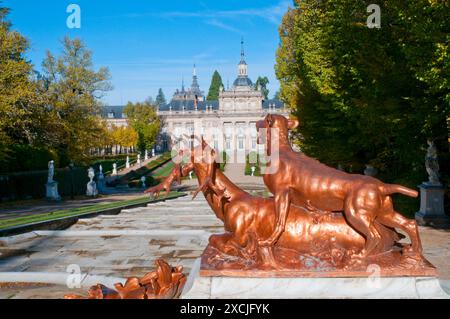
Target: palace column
column 248, row 137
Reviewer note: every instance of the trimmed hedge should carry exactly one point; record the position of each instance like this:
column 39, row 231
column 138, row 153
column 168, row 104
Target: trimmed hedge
column 108, row 161
column 225, row 158
column 26, row 185
column 30, row 184
column 22, row 157
column 248, row 165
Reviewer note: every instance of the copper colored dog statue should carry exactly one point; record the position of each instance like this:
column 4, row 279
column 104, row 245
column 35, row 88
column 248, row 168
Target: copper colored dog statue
column 300, row 180
column 308, row 243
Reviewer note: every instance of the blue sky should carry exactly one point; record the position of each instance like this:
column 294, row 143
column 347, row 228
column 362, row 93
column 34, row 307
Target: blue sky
column 148, row 44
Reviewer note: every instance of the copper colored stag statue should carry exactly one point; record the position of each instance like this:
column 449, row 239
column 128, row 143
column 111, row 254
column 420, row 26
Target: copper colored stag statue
column 313, row 243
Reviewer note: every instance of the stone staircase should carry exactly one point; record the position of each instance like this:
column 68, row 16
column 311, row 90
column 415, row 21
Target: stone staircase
column 115, row 246
column 236, row 173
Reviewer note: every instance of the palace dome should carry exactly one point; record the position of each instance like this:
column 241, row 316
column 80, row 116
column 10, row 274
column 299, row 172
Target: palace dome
column 243, row 81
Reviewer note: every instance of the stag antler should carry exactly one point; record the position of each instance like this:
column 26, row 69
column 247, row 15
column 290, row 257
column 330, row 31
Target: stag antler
column 175, row 175
column 209, row 181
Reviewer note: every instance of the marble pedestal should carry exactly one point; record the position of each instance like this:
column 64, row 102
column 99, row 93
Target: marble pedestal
column 431, row 205
column 52, row 191
column 310, row 288
column 101, row 185
column 91, row 189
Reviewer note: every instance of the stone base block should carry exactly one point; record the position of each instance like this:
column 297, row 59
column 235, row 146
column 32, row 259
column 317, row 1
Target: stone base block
column 52, row 191
column 198, row 287
column 91, row 189
column 432, row 205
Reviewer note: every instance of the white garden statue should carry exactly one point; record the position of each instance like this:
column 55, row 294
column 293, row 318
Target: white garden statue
column 143, row 179
column 432, row 209
column 370, row 171
column 100, row 174
column 91, row 185
column 432, row 164
column 139, row 159
column 51, row 171
column 101, row 179
column 146, row 156
column 114, row 172
column 127, row 163
column 51, row 186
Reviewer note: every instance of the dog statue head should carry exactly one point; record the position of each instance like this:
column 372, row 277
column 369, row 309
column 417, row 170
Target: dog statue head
column 275, row 121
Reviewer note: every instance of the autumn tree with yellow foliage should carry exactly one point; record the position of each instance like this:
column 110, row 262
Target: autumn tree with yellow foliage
column 123, row 137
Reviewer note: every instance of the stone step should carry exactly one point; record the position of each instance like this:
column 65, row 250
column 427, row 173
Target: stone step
column 146, row 216
column 169, row 212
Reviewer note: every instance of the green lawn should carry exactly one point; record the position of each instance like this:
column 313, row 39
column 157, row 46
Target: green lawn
column 134, row 177
column 164, row 171
column 21, row 221
column 159, row 161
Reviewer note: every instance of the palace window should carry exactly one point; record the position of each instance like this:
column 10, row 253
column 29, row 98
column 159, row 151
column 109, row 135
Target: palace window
column 228, row 143
column 241, row 142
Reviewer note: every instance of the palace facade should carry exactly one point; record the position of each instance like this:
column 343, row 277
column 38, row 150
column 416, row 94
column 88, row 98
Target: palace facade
column 229, row 123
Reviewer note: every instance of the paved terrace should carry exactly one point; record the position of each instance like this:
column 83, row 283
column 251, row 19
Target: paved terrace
column 128, row 244
column 115, row 246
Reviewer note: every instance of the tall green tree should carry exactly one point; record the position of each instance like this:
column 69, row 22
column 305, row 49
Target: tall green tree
column 277, row 95
column 74, row 89
column 24, row 116
column 143, row 119
column 160, row 98
column 262, row 82
column 214, row 88
column 368, row 95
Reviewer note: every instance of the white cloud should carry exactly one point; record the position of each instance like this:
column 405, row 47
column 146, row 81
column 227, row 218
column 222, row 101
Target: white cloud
column 272, row 14
column 216, row 23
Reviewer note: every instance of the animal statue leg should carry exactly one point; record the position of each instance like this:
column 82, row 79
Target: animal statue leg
column 242, row 242
column 373, row 236
column 235, row 247
column 282, row 205
column 362, row 220
column 219, row 241
column 178, row 173
column 267, row 258
column 154, row 191
column 167, row 191
column 394, row 219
